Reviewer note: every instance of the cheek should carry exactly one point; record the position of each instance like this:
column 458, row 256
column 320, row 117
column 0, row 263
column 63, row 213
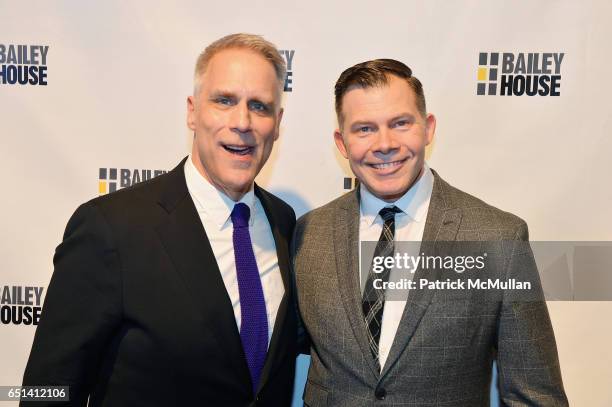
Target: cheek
column 357, row 150
column 418, row 149
column 211, row 121
column 418, row 141
column 266, row 148
column 267, row 131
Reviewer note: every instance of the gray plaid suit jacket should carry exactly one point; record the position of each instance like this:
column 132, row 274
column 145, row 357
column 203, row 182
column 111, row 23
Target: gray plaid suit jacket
column 444, row 348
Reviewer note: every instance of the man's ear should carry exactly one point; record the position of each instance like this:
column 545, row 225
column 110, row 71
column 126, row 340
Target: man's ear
column 339, row 139
column 278, row 122
column 430, row 127
column 191, row 102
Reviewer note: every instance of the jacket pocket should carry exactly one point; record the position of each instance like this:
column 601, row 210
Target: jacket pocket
column 315, row 395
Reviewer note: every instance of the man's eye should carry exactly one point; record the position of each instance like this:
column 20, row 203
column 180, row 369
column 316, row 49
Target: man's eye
column 258, row 106
column 401, row 123
column 222, row 100
column 365, row 129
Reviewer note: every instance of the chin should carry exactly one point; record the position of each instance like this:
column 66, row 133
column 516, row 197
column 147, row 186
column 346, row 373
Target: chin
column 388, row 193
column 240, row 184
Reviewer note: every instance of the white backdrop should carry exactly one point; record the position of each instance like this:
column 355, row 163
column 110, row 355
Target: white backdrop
column 118, row 74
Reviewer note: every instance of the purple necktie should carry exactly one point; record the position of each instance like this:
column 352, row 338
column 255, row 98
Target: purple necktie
column 254, row 320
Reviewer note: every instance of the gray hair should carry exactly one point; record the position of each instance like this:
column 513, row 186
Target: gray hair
column 252, row 42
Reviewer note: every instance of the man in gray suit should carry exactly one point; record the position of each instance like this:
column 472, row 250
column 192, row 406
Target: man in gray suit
column 427, row 347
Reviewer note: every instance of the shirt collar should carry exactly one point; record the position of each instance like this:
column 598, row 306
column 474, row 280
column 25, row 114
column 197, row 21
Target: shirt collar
column 413, row 203
column 212, row 203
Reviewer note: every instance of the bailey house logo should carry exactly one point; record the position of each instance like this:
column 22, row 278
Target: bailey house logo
column 519, row 74
column 20, row 305
column 113, row 179
column 288, row 55
column 23, row 64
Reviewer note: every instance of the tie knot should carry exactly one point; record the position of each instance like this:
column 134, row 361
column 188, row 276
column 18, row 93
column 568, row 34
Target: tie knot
column 240, row 215
column 388, row 214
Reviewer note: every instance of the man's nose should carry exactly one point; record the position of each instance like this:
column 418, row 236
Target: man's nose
column 240, row 119
column 385, row 142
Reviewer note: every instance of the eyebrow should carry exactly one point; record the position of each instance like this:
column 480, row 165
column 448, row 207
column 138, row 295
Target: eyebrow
column 362, row 123
column 268, row 103
column 228, row 94
column 405, row 115
column 218, row 93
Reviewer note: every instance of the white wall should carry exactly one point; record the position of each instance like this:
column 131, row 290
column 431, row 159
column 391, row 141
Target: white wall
column 119, row 74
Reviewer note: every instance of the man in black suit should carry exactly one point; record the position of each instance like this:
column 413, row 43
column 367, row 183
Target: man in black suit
column 176, row 291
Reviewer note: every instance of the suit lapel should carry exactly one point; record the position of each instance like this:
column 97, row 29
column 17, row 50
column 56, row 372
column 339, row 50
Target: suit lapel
column 441, row 225
column 187, row 244
column 346, row 247
column 282, row 254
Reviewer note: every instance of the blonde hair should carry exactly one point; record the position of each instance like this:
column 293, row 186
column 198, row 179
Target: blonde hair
column 252, row 42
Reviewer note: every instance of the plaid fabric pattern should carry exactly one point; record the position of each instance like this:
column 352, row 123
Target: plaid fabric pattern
column 442, row 352
column 373, row 301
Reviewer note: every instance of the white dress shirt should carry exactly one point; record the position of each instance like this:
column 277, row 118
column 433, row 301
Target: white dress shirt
column 409, row 226
column 215, row 208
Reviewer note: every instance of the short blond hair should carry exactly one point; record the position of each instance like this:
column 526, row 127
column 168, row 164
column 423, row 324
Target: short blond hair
column 252, row 42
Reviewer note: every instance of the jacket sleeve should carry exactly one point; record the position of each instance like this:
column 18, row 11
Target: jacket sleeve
column 81, row 311
column 528, row 365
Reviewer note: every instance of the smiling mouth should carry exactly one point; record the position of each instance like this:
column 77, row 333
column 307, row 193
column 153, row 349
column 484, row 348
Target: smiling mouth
column 384, row 166
column 238, row 150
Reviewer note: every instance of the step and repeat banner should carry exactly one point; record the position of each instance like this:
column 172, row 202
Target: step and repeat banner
column 93, row 100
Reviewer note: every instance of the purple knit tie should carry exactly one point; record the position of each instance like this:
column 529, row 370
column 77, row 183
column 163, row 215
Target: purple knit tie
column 254, row 320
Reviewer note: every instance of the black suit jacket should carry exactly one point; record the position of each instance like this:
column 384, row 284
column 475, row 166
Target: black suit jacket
column 137, row 313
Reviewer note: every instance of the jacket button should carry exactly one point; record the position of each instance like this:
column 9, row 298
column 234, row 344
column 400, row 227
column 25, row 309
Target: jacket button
column 380, row 393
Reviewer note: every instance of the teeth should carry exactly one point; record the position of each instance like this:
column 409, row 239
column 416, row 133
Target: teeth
column 386, row 165
column 238, row 150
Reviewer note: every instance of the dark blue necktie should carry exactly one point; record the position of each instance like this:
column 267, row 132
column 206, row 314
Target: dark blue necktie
column 254, row 320
column 373, row 303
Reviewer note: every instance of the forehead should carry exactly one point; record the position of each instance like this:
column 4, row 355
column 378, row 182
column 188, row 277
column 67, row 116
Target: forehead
column 239, row 70
column 379, row 102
